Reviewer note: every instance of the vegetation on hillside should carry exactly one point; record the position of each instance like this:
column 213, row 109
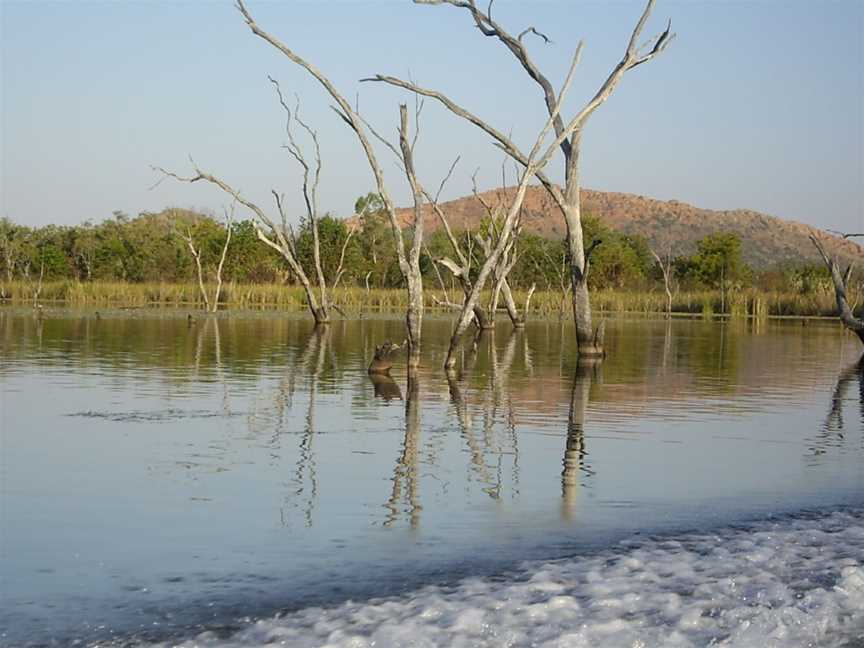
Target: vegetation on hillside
column 149, row 249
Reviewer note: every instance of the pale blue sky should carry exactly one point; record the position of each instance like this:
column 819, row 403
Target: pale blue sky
column 756, row 104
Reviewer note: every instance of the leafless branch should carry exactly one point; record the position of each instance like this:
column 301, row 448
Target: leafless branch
column 840, row 282
column 843, row 235
column 531, row 30
column 351, row 118
column 504, row 141
column 340, row 268
column 281, row 243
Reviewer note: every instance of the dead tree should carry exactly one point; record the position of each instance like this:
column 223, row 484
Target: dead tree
column 311, row 180
column 501, row 270
column 409, row 261
column 38, row 290
column 460, row 268
column 666, row 269
column 281, row 236
column 568, row 200
column 840, row 279
column 189, row 239
column 481, row 243
column 534, row 164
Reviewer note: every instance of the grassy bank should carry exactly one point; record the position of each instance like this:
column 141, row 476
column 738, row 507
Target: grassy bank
column 750, row 302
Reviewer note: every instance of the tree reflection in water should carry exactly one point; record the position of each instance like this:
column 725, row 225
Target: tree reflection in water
column 834, row 429
column 479, row 412
column 310, row 365
column 405, row 494
column 493, row 394
column 588, row 372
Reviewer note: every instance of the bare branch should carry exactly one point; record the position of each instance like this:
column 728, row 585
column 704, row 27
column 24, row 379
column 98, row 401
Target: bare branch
column 437, row 273
column 455, row 269
column 340, row 268
column 640, row 25
column 489, row 27
column 349, row 116
column 416, row 189
column 660, row 42
column 531, row 30
column 446, row 303
column 846, row 315
column 281, row 245
column 503, row 141
column 843, row 235
column 390, row 146
column 229, row 218
column 446, row 178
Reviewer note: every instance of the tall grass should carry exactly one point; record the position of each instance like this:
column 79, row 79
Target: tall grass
column 741, row 303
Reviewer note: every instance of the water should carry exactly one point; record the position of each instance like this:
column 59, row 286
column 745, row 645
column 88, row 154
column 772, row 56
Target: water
column 241, row 480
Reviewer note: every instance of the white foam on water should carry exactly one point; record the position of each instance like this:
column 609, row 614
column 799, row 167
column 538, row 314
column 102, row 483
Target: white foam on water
column 790, row 583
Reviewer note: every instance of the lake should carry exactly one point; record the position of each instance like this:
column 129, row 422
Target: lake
column 241, row 480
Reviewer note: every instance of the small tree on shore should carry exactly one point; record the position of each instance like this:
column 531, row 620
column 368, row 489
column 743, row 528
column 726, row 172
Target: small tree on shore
column 280, row 235
column 665, row 265
column 185, row 232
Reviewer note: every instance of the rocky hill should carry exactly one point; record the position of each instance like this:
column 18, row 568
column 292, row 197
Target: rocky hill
column 766, row 240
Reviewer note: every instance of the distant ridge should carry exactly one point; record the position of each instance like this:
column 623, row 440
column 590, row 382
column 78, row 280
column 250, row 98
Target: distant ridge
column 766, row 240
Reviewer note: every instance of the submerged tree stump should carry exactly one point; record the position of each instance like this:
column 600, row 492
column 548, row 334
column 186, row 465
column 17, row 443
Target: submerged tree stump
column 382, row 361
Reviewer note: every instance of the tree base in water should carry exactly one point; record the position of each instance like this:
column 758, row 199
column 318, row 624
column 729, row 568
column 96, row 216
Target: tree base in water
column 382, row 361
column 592, row 352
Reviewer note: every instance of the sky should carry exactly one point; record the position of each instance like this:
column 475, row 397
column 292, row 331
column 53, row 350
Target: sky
column 756, row 104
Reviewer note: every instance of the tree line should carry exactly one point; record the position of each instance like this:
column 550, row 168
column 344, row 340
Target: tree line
column 152, row 248
column 490, row 261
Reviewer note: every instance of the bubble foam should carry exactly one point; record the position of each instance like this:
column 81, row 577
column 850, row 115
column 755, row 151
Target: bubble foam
column 786, row 583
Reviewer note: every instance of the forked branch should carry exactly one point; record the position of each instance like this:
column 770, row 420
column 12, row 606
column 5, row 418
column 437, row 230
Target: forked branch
column 840, row 281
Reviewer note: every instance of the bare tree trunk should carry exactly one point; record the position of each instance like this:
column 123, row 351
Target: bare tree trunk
column 516, row 319
column 535, row 163
column 218, row 292
column 210, row 307
column 38, row 290
column 196, row 254
column 848, row 318
column 282, row 240
column 666, row 269
column 311, row 179
column 409, row 267
column 414, row 315
column 590, row 340
column 10, row 261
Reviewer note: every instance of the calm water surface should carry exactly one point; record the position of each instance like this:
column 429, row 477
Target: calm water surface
column 162, row 479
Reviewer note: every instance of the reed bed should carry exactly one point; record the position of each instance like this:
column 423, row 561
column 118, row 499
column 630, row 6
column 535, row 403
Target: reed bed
column 707, row 303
